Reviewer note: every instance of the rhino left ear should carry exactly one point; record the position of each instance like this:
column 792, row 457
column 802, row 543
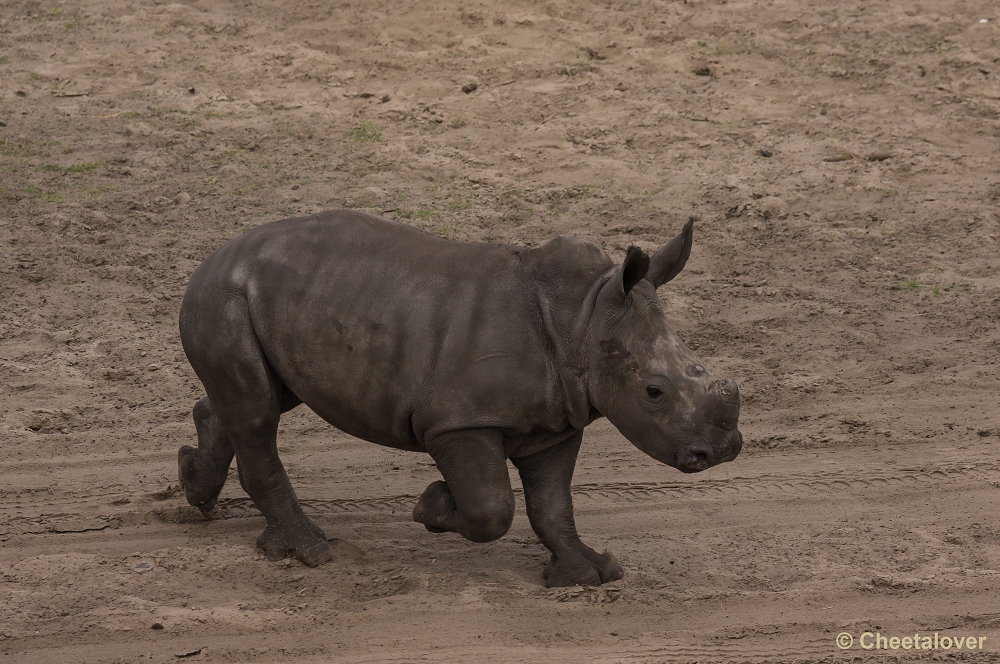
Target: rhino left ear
column 633, row 270
column 668, row 262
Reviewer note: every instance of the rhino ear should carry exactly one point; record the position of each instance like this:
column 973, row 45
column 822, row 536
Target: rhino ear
column 668, row 262
column 632, row 271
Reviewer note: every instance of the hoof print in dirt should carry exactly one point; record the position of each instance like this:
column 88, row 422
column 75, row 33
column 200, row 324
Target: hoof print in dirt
column 472, row 353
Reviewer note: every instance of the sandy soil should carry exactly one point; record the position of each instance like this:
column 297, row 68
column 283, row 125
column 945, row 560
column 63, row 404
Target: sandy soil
column 841, row 158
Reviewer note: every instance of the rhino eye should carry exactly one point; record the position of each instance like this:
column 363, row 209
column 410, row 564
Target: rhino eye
column 654, row 392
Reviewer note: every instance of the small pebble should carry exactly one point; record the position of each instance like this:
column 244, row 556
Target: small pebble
column 764, row 152
column 469, row 88
column 156, row 626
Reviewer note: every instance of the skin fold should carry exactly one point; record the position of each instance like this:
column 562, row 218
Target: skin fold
column 472, row 353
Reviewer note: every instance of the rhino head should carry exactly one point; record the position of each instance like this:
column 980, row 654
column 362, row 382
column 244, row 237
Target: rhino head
column 646, row 381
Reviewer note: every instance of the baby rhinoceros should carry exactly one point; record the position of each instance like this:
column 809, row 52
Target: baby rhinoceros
column 472, row 353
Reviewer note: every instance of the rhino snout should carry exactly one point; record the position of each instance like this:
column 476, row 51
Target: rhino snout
column 720, row 404
column 735, row 446
column 726, row 391
column 695, row 458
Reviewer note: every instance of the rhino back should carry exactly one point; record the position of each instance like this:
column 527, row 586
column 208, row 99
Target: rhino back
column 392, row 334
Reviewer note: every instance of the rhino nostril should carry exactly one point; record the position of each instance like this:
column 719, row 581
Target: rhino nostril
column 694, row 458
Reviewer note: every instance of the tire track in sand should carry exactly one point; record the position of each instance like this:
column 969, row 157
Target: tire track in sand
column 38, row 512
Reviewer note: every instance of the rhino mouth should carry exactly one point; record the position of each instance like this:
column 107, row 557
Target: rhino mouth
column 700, row 456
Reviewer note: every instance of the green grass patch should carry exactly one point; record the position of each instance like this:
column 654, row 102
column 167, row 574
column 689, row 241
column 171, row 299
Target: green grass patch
column 85, row 167
column 9, row 148
column 34, row 193
column 909, row 285
column 366, row 132
column 459, row 203
column 445, row 231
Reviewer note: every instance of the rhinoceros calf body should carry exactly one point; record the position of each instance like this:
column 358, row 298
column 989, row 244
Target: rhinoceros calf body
column 472, row 353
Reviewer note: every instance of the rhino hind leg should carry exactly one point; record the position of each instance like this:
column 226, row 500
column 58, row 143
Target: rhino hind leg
column 246, row 400
column 546, row 477
column 202, row 472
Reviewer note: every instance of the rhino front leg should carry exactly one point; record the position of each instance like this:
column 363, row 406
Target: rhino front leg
column 546, row 477
column 475, row 499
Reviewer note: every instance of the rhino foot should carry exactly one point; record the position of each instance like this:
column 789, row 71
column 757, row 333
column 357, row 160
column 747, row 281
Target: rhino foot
column 587, row 569
column 307, row 545
column 435, row 508
column 201, row 491
column 483, row 517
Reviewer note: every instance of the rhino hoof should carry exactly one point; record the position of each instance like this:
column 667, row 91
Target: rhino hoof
column 435, row 507
column 590, row 569
column 310, row 547
column 197, row 494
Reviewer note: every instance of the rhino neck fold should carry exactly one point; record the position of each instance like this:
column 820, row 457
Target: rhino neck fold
column 564, row 277
column 565, row 319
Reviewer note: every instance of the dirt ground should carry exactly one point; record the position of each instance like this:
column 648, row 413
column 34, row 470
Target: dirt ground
column 842, row 160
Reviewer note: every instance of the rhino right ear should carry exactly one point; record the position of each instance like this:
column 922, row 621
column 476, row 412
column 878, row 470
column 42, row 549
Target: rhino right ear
column 668, row 262
column 632, row 271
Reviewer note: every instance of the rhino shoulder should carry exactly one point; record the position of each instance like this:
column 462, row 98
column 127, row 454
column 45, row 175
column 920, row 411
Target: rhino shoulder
column 569, row 256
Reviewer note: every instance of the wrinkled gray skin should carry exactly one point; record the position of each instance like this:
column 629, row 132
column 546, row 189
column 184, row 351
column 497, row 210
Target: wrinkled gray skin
column 472, row 353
